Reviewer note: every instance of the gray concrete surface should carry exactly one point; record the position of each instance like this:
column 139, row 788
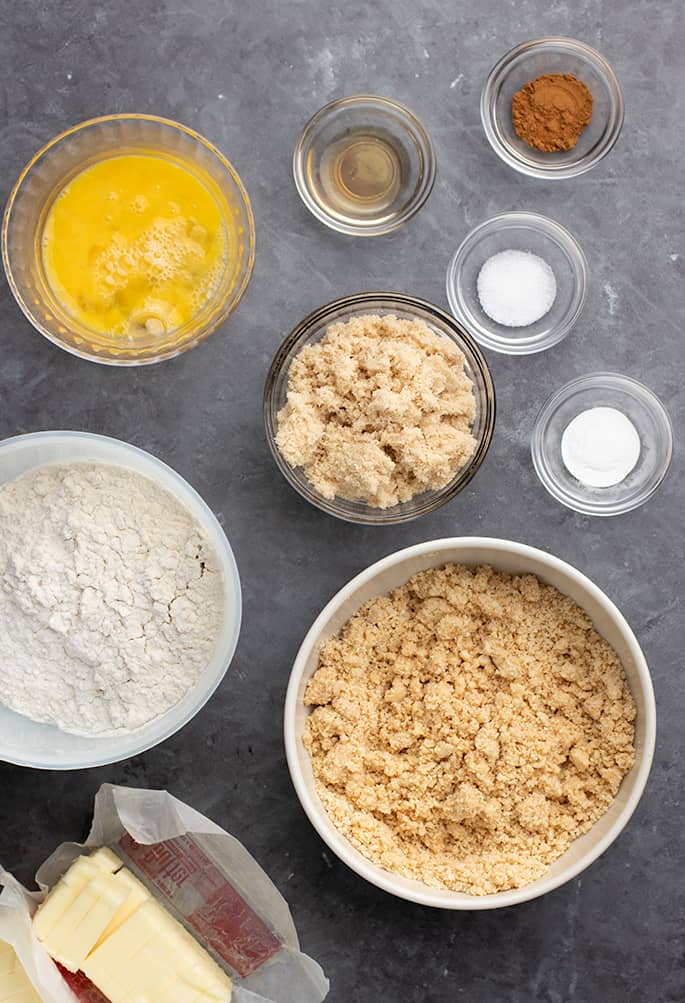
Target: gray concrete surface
column 248, row 75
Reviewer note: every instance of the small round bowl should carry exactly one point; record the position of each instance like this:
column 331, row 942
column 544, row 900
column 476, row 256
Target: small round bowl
column 519, row 231
column 644, row 410
column 312, row 329
column 512, row 558
column 46, row 747
column 388, row 120
column 66, row 156
column 535, row 59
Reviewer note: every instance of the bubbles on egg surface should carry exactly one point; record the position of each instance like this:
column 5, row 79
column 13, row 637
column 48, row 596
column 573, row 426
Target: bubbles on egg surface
column 139, row 203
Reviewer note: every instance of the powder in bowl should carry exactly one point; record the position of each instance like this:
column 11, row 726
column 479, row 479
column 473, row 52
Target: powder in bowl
column 600, row 447
column 516, row 288
column 379, row 410
column 550, row 112
column 467, row 727
column 111, row 598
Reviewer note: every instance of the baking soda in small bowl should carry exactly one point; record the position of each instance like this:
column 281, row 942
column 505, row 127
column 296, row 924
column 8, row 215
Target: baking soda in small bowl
column 516, row 288
column 602, row 444
column 600, row 447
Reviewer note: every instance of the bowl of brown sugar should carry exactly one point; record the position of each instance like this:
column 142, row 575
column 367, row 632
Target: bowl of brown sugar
column 552, row 108
column 469, row 723
column 379, row 408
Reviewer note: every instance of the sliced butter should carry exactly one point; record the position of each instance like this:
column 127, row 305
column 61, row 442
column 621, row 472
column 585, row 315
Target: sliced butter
column 76, row 933
column 70, row 886
column 101, row 919
column 189, row 958
column 15, row 985
column 28, row 995
column 151, row 950
column 120, row 964
column 7, row 958
column 168, row 990
column 137, row 894
column 106, row 859
column 62, row 896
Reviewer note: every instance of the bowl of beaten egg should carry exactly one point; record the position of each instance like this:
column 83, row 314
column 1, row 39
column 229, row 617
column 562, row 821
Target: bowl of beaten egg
column 385, row 703
column 128, row 239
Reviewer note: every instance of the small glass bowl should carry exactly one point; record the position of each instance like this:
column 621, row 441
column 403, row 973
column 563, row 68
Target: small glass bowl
column 381, row 117
column 311, row 330
column 644, row 410
column 55, row 166
column 535, row 59
column 519, row 231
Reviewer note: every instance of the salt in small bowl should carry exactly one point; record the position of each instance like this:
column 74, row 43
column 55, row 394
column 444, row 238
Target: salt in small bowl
column 519, row 231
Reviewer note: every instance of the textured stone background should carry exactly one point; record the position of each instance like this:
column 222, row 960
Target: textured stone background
column 248, row 75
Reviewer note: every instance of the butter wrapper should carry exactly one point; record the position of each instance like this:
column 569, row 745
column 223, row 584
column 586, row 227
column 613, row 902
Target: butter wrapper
column 206, row 880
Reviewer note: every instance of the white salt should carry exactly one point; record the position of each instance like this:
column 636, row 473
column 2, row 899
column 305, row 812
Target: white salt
column 516, row 288
column 600, row 447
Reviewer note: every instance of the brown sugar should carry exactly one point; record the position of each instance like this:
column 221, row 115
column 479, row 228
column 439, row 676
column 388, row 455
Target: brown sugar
column 379, row 410
column 468, row 727
column 550, row 113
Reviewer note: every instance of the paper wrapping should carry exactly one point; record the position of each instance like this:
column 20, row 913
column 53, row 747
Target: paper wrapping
column 202, row 875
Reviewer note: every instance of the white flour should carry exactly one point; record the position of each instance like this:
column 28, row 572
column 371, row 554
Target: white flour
column 111, row 598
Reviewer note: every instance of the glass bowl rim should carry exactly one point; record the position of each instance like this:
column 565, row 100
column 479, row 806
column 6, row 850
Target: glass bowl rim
column 562, row 394
column 505, row 151
column 401, row 301
column 102, row 120
column 420, row 135
column 541, row 224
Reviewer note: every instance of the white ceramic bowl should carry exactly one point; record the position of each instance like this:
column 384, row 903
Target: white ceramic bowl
column 503, row 555
column 43, row 746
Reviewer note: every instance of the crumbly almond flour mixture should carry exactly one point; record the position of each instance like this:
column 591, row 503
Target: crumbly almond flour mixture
column 378, row 411
column 111, row 598
column 467, row 727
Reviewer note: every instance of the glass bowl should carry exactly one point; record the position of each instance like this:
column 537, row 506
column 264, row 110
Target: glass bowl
column 46, row 747
column 644, row 410
column 411, row 168
column 534, row 59
column 312, row 329
column 521, row 231
column 59, row 162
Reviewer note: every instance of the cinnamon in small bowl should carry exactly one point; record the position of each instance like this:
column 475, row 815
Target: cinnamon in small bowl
column 550, row 112
column 559, row 133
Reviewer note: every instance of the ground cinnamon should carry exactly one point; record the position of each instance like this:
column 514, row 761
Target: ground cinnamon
column 550, row 113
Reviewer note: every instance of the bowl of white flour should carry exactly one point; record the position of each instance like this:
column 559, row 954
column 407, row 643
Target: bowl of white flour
column 120, row 601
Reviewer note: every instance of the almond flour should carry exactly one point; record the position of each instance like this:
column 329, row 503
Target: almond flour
column 468, row 727
column 379, row 410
